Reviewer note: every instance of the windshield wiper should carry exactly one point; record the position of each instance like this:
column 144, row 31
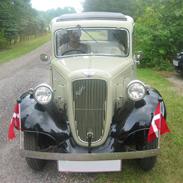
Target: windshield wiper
column 87, row 33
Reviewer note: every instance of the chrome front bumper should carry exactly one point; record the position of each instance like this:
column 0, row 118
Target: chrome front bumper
column 89, row 156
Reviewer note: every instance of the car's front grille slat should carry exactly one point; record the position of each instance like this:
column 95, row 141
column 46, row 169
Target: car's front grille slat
column 89, row 98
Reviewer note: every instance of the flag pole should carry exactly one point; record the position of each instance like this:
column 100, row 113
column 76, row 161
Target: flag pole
column 159, row 131
column 20, row 127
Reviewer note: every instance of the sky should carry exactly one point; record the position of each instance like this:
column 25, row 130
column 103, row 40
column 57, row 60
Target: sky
column 44, row 5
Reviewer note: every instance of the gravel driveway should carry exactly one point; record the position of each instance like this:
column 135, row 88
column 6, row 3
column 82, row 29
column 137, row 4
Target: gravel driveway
column 16, row 77
column 177, row 82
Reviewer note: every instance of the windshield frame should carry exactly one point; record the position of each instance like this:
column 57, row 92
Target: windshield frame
column 91, row 54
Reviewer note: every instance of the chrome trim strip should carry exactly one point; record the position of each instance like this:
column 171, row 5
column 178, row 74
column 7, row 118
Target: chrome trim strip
column 89, row 156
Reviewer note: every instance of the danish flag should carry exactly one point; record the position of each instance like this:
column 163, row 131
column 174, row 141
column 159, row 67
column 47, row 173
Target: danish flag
column 158, row 125
column 15, row 122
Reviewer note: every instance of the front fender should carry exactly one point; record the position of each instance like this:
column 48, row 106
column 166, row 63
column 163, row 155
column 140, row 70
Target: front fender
column 137, row 118
column 45, row 120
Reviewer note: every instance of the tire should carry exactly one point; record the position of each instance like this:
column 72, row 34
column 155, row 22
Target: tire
column 147, row 164
column 31, row 143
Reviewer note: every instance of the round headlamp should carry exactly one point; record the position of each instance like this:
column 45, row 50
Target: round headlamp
column 136, row 90
column 43, row 94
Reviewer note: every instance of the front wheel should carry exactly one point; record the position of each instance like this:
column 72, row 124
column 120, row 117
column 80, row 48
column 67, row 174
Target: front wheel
column 31, row 143
column 147, row 164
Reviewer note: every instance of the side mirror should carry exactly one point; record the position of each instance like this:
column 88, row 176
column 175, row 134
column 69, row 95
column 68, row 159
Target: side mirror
column 44, row 57
column 138, row 57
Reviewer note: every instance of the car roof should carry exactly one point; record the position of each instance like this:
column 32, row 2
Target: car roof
column 92, row 19
column 92, row 16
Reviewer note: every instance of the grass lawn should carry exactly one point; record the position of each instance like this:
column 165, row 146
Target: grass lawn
column 22, row 48
column 169, row 166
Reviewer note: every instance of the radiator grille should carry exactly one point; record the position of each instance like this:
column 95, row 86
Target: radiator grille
column 89, row 107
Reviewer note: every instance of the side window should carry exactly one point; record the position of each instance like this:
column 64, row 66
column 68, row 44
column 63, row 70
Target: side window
column 120, row 37
column 133, row 42
column 61, row 38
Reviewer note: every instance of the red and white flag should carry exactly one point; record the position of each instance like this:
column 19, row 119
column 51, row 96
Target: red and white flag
column 15, row 122
column 158, row 125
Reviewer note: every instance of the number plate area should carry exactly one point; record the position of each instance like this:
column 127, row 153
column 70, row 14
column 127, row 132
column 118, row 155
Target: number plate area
column 89, row 166
column 176, row 63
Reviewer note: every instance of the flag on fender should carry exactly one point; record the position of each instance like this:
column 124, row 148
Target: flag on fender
column 158, row 125
column 15, row 122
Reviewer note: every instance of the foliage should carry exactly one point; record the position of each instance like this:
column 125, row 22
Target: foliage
column 127, row 7
column 19, row 21
column 158, row 33
column 159, row 27
column 48, row 15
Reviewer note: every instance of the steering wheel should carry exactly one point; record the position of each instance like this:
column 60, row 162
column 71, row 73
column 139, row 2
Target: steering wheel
column 77, row 50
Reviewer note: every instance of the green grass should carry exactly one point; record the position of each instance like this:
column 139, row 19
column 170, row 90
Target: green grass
column 169, row 166
column 22, row 48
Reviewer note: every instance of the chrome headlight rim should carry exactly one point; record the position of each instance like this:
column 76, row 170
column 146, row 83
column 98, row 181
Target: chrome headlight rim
column 47, row 87
column 136, row 82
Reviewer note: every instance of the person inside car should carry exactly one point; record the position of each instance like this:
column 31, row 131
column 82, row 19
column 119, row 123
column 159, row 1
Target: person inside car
column 73, row 46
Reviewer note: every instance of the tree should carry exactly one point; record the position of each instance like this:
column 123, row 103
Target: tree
column 123, row 6
column 47, row 16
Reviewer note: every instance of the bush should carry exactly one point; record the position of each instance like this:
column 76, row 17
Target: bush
column 155, row 40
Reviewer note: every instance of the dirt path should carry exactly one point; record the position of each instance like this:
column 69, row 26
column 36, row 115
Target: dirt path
column 15, row 78
column 177, row 82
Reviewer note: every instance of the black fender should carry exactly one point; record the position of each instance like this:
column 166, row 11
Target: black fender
column 133, row 121
column 47, row 120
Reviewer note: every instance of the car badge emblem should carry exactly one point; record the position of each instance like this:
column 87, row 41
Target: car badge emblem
column 80, row 90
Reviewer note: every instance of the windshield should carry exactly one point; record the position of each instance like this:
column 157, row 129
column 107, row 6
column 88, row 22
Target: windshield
column 103, row 41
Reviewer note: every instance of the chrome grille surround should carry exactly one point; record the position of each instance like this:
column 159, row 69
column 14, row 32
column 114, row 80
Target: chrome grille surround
column 89, row 108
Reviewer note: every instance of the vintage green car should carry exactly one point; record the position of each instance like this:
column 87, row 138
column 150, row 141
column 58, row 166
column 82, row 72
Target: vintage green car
column 94, row 113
